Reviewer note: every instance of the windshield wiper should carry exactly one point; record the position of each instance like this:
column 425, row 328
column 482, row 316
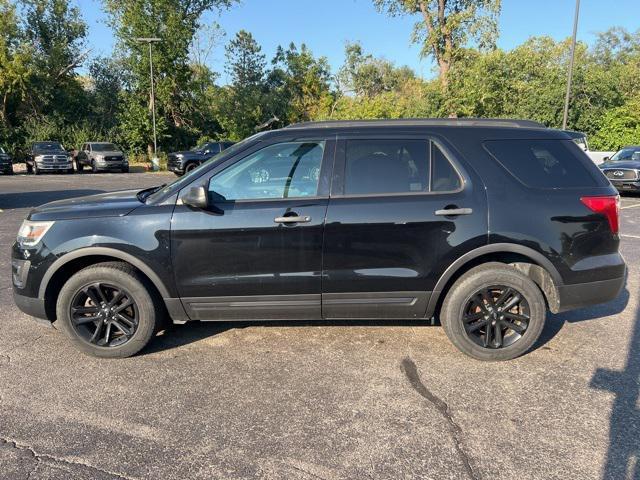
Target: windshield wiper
column 144, row 194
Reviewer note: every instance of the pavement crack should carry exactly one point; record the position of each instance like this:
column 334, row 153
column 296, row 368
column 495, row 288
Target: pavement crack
column 408, row 367
column 39, row 457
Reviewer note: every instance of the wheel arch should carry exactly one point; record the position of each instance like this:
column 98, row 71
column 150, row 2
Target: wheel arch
column 527, row 260
column 70, row 263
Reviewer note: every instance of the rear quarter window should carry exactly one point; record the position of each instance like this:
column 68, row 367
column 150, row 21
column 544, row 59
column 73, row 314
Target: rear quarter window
column 549, row 164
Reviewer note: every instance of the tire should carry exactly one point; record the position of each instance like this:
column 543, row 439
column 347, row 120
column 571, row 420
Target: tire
column 70, row 171
column 79, row 167
column 143, row 317
column 190, row 166
column 36, row 170
column 463, row 303
column 125, row 170
column 94, row 167
column 9, row 171
column 29, row 168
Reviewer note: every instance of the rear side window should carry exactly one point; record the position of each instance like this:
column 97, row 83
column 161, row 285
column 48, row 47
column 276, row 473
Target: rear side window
column 397, row 166
column 546, row 163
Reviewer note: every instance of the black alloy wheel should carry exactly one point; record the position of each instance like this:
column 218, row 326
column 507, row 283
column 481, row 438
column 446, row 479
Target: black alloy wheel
column 496, row 317
column 104, row 315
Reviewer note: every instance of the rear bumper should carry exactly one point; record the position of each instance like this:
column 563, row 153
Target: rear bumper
column 582, row 295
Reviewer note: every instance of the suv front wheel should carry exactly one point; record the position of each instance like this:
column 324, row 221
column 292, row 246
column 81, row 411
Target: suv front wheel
column 107, row 310
column 493, row 312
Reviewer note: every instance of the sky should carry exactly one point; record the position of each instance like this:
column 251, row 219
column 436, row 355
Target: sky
column 326, row 25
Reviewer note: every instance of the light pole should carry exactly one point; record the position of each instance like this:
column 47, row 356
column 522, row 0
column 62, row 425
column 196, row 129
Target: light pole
column 150, row 41
column 570, row 74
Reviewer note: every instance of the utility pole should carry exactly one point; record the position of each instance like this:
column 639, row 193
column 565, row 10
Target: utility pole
column 571, row 60
column 151, row 41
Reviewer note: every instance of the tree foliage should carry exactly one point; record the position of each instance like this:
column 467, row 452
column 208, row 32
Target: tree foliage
column 51, row 87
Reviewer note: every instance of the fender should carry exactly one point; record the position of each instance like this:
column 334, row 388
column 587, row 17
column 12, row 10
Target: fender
column 108, row 252
column 485, row 249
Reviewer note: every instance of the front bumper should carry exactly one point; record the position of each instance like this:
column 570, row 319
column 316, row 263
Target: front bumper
column 57, row 166
column 31, row 306
column 627, row 185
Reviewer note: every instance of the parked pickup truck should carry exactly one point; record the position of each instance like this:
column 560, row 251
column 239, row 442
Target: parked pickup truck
column 6, row 165
column 581, row 140
column 183, row 162
column 48, row 157
column 102, row 156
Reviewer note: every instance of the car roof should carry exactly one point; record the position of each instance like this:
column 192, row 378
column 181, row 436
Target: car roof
column 418, row 122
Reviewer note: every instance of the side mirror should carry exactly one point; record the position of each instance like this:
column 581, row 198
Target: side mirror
column 195, row 197
column 605, row 159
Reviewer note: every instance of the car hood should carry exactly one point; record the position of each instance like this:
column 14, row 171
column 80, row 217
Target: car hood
column 614, row 165
column 187, row 154
column 110, row 153
column 112, row 204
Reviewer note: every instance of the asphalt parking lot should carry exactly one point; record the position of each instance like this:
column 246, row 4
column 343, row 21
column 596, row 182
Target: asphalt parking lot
column 338, row 401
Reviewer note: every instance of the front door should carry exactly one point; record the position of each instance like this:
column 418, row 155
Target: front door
column 401, row 210
column 256, row 252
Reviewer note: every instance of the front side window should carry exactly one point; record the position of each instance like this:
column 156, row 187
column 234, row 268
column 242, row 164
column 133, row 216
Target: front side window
column 397, row 166
column 283, row 170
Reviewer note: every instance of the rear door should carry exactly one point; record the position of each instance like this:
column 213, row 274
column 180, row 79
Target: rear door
column 402, row 208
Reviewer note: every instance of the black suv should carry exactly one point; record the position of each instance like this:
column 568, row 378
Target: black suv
column 183, row 162
column 483, row 224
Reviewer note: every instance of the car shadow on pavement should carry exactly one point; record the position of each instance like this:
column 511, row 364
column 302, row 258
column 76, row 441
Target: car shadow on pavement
column 180, row 335
column 623, row 455
column 9, row 201
column 555, row 322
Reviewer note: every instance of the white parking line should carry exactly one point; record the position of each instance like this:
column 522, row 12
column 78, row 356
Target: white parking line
column 630, row 236
column 630, row 206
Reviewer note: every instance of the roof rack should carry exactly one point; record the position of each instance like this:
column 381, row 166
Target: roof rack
column 410, row 122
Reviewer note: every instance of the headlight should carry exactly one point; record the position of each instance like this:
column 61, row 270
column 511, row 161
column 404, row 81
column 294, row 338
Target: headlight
column 99, row 157
column 31, row 233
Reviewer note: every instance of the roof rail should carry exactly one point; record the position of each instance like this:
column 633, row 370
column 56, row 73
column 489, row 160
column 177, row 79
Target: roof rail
column 408, row 122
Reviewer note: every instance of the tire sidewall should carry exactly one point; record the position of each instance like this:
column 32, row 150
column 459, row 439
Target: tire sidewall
column 466, row 286
column 126, row 280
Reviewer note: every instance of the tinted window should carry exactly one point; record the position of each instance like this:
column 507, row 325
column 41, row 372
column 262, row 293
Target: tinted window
column 444, row 177
column 284, row 170
column 546, row 163
column 44, row 146
column 397, row 166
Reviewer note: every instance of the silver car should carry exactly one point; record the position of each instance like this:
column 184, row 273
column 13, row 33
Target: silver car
column 101, row 156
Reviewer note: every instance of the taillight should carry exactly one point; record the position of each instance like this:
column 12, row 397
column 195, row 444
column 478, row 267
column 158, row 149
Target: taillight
column 607, row 205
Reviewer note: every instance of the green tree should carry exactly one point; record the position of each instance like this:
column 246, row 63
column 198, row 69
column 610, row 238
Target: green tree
column 298, row 84
column 446, row 26
column 365, row 75
column 58, row 35
column 176, row 23
column 242, row 103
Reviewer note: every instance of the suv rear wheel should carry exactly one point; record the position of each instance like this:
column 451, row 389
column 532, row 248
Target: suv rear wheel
column 493, row 312
column 107, row 311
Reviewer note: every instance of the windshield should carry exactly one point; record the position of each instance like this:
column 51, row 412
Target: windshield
column 195, row 173
column 45, row 146
column 199, row 148
column 627, row 154
column 104, row 147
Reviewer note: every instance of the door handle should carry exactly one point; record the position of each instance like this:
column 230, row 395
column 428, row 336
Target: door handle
column 292, row 219
column 454, row 211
